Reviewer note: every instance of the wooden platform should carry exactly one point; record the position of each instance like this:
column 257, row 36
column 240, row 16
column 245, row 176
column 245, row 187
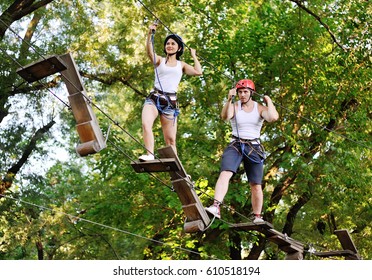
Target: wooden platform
column 197, row 217
column 349, row 251
column 294, row 248
column 347, row 254
column 42, row 68
column 157, row 165
column 285, row 243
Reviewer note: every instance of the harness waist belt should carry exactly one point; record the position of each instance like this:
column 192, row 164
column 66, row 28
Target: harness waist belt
column 164, row 98
column 155, row 90
column 246, row 140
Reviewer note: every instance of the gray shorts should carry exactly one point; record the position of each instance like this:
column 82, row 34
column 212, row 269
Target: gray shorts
column 252, row 158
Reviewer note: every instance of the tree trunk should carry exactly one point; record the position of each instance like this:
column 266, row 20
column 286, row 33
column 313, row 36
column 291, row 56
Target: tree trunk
column 8, row 178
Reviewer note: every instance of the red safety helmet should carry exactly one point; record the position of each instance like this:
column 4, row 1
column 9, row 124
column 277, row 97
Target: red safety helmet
column 245, row 83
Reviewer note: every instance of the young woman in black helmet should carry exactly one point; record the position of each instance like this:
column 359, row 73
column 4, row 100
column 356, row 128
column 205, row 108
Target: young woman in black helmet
column 162, row 99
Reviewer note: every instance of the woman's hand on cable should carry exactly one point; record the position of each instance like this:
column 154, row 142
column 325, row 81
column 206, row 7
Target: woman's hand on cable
column 193, row 52
column 153, row 28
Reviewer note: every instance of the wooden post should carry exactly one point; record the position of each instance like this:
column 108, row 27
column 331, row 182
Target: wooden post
column 197, row 217
column 184, row 187
column 90, row 134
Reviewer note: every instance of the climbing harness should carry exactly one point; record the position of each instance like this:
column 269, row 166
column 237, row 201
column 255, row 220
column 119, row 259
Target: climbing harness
column 249, row 148
column 164, row 101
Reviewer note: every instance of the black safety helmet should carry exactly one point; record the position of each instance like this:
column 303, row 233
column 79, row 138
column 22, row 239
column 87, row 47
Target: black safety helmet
column 178, row 40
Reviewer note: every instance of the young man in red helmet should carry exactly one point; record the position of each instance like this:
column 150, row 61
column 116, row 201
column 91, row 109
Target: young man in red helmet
column 246, row 118
column 162, row 99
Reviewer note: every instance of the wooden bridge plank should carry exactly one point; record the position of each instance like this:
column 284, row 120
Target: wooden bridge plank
column 163, row 165
column 169, row 152
column 345, row 240
column 71, row 75
column 181, row 186
column 348, row 254
column 87, row 125
column 284, row 243
column 263, row 227
column 81, row 110
column 184, row 189
column 41, row 68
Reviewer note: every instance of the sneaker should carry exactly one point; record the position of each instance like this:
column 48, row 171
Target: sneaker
column 146, row 157
column 214, row 210
column 258, row 220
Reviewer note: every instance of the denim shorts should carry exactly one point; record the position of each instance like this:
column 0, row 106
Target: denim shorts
column 232, row 157
column 165, row 109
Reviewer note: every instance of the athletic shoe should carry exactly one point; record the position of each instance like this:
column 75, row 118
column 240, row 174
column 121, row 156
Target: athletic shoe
column 146, row 157
column 214, row 210
column 258, row 220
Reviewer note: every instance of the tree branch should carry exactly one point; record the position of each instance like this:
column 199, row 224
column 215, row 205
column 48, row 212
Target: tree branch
column 298, row 2
column 8, row 179
column 109, row 80
column 17, row 10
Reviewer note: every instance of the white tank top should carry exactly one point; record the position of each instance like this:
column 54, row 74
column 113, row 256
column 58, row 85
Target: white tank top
column 167, row 78
column 249, row 124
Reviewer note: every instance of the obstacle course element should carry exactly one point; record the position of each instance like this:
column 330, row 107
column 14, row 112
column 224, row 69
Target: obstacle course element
column 90, row 134
column 294, row 249
column 349, row 251
column 197, row 217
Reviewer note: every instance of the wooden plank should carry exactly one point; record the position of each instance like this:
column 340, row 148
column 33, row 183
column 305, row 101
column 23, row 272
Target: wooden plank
column 162, row 165
column 185, row 189
column 191, row 211
column 170, row 152
column 80, row 108
column 348, row 254
column 202, row 213
column 284, row 243
column 263, row 227
column 85, row 131
column 291, row 249
column 295, row 256
column 194, row 226
column 71, row 75
column 279, row 240
column 186, row 196
column 283, row 236
column 87, row 125
column 345, row 240
column 42, row 68
column 88, row 148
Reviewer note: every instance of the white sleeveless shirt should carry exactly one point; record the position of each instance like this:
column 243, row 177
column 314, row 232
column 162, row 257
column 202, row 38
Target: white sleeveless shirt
column 247, row 125
column 167, row 78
